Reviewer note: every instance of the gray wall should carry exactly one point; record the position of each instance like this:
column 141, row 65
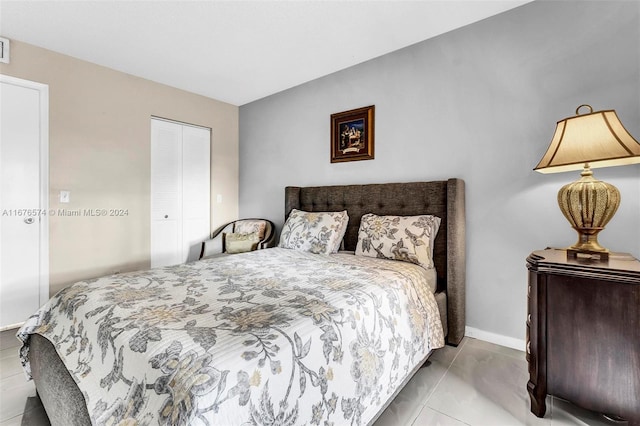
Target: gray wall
column 479, row 103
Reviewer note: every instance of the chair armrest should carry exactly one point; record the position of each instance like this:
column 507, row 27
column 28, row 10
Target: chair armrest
column 211, row 247
column 269, row 242
column 269, row 238
column 215, row 245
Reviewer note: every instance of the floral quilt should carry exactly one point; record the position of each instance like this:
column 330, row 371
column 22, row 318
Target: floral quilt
column 269, row 337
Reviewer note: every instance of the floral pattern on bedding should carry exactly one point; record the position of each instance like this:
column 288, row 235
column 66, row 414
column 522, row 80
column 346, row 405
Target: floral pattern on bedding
column 403, row 238
column 269, row 337
column 315, row 232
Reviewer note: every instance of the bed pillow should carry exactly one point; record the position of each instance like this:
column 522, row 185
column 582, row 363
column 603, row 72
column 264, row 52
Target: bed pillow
column 241, row 242
column 405, row 238
column 247, row 226
column 314, row 232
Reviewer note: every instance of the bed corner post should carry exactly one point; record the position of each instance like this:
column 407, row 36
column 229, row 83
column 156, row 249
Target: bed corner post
column 456, row 260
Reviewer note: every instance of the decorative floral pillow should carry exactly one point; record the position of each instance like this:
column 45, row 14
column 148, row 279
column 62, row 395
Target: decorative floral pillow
column 241, row 242
column 248, row 226
column 405, row 238
column 314, row 232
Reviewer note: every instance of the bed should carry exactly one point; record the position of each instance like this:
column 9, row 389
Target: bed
column 355, row 329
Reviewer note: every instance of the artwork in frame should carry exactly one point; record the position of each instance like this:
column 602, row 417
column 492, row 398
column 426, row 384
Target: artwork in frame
column 352, row 135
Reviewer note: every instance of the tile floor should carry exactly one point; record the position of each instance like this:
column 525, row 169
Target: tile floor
column 477, row 384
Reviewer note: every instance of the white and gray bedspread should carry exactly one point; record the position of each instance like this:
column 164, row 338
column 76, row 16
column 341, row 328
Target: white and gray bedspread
column 273, row 336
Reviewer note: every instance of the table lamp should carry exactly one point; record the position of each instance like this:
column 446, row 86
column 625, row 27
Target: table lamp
column 586, row 141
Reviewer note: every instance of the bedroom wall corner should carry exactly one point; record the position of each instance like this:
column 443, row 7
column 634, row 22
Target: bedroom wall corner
column 99, row 145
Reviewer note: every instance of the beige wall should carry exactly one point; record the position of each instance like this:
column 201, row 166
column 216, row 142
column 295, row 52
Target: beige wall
column 99, row 142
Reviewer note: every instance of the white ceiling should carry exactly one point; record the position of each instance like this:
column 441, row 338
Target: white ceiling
column 235, row 51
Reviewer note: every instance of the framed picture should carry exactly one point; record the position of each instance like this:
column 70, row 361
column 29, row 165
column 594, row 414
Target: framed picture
column 352, row 135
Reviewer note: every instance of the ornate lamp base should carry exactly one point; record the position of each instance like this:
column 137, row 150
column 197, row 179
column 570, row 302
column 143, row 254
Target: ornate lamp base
column 588, row 204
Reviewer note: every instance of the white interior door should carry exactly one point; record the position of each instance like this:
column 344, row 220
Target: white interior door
column 180, row 194
column 24, row 284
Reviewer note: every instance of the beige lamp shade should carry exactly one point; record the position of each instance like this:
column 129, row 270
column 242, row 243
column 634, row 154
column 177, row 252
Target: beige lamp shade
column 597, row 138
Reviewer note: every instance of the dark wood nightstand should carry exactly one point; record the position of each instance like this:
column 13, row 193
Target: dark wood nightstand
column 583, row 333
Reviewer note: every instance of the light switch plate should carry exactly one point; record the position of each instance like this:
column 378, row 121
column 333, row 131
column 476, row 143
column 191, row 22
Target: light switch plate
column 65, row 196
column 4, row 50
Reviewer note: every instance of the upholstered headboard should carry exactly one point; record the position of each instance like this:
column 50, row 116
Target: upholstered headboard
column 444, row 199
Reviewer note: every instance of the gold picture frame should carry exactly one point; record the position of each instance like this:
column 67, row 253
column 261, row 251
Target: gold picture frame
column 352, row 135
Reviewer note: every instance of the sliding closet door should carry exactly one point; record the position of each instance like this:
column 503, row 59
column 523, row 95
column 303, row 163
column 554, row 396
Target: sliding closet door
column 180, row 195
column 166, row 193
column 196, row 145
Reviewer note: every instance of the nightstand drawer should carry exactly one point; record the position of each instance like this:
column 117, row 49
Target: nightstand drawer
column 593, row 348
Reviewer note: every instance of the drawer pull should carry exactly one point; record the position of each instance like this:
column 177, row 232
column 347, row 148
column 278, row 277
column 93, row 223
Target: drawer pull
column 528, row 348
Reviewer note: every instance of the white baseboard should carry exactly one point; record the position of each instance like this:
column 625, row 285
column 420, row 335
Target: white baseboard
column 12, row 326
column 498, row 339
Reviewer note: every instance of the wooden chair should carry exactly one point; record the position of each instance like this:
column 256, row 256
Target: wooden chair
column 216, row 245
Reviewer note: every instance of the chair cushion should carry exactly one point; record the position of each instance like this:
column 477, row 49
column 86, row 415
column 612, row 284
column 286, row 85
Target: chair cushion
column 241, row 242
column 248, row 226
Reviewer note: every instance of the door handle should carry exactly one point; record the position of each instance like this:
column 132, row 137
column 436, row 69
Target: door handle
column 28, row 220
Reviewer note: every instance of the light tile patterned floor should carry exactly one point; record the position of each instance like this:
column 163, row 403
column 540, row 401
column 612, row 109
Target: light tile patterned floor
column 477, row 384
